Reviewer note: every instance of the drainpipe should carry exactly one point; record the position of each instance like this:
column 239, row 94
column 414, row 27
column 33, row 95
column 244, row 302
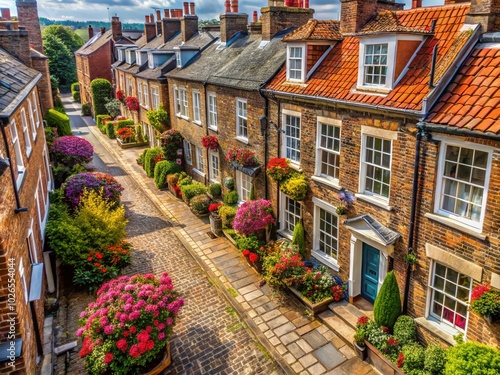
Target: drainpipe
column 265, row 134
column 206, row 132
column 421, row 131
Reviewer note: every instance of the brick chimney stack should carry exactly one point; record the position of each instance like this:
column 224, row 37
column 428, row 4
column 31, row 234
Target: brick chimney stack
column 416, row 4
column 116, row 28
column 90, row 31
column 277, row 16
column 191, row 8
column 354, row 14
column 150, row 28
column 234, row 6
column 158, row 22
column 170, row 26
column 186, row 7
column 17, row 43
column 27, row 14
column 486, row 13
column 189, row 23
column 232, row 22
column 6, row 14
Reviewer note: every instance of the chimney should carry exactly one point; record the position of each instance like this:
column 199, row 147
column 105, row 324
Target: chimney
column 416, row 4
column 234, row 6
column 5, row 14
column 158, row 23
column 167, row 13
column 91, row 32
column 191, row 8
column 170, row 27
column 27, row 14
column 276, row 17
column 189, row 24
column 103, row 30
column 116, row 27
column 232, row 23
column 486, row 13
column 227, row 5
column 17, row 43
column 354, row 14
column 306, row 4
column 254, row 27
column 254, row 16
column 149, row 28
column 186, row 7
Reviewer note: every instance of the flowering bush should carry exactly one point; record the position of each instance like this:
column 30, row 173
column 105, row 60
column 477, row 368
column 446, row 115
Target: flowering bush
column 279, row 169
column 346, row 200
column 70, row 150
column 158, row 158
column 104, row 183
column 337, row 293
column 127, row 135
column 132, row 103
column 253, row 216
column 296, row 187
column 252, row 257
column 210, row 142
column 485, row 301
column 242, row 156
column 172, row 142
column 283, row 267
column 120, row 95
column 129, row 324
column 316, row 284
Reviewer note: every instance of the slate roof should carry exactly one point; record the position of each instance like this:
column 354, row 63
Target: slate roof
column 316, row 30
column 472, row 100
column 242, row 64
column 336, row 77
column 17, row 77
column 99, row 40
column 386, row 235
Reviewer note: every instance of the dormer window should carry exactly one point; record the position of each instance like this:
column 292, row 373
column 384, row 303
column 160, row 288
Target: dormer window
column 375, row 65
column 296, row 63
column 178, row 59
column 121, row 55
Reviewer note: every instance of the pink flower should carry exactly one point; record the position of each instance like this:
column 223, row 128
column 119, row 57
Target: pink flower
column 83, row 314
column 108, row 330
column 80, row 331
column 161, row 336
column 169, row 321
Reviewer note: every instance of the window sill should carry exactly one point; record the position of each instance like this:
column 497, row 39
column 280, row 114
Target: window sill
column 435, row 328
column 242, row 140
column 182, row 117
column 326, row 181
column 285, row 234
column 327, row 261
column 20, row 179
column 197, row 122
column 28, row 152
column 456, row 225
column 374, row 201
column 198, row 172
column 296, row 167
column 380, row 90
column 213, row 128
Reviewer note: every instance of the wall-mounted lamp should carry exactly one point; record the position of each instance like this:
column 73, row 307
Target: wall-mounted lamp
column 4, row 164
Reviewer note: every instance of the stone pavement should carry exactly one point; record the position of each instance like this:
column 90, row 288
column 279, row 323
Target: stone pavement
column 298, row 343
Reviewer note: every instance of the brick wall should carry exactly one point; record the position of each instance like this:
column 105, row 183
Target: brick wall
column 27, row 13
column 354, row 14
column 16, row 42
column 189, row 27
column 277, row 18
column 42, row 65
column 232, row 23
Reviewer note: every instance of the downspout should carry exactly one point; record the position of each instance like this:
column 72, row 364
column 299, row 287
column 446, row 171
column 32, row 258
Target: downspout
column 206, row 131
column 421, row 131
column 266, row 146
column 4, row 122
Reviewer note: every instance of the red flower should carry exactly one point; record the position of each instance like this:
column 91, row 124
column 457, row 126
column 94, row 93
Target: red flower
column 253, row 257
column 362, row 320
column 132, row 103
column 98, row 255
column 89, row 259
column 119, row 94
column 143, row 336
column 126, row 333
column 478, row 291
column 133, row 329
column 385, row 329
column 150, row 345
column 210, row 142
column 401, row 359
column 108, row 357
column 245, row 252
column 214, row 207
column 134, row 351
column 392, row 341
column 122, row 345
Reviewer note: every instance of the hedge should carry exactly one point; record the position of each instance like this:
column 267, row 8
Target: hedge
column 99, row 120
column 123, row 124
column 162, row 169
column 192, row 190
column 101, row 89
column 75, row 91
column 472, row 358
column 149, row 162
column 110, row 129
column 60, row 121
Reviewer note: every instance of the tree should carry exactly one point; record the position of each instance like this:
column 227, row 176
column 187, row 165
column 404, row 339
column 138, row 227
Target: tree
column 61, row 60
column 387, row 306
column 69, row 38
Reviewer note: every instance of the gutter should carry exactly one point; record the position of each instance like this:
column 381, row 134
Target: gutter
column 446, row 129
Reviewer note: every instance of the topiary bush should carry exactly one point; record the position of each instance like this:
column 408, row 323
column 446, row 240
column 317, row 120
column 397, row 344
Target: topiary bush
column 199, row 204
column 414, row 358
column 162, row 169
column 75, row 91
column 387, row 306
column 215, row 189
column 110, row 129
column 472, row 358
column 192, row 190
column 100, row 121
column 227, row 214
column 86, row 110
column 231, row 198
column 60, row 121
column 299, row 239
column 149, row 160
column 405, row 330
column 101, row 90
column 70, row 150
column 435, row 359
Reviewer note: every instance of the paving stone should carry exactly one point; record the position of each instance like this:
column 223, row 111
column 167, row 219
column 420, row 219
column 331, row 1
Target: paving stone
column 252, row 313
column 347, row 352
column 354, row 366
column 308, row 360
column 271, row 315
column 262, row 300
column 295, row 350
column 304, row 345
column 315, row 339
column 253, row 295
column 280, row 320
column 308, row 327
column 281, row 349
column 269, row 334
column 274, row 340
column 329, row 356
column 284, row 329
column 301, row 321
column 316, row 369
column 289, row 337
column 297, row 367
column 289, row 358
column 263, row 327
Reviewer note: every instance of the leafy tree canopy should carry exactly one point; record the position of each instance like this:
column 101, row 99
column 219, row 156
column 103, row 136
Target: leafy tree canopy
column 70, row 39
column 61, row 60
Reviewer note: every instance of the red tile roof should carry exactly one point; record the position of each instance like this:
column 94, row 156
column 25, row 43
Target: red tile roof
column 337, row 75
column 316, row 30
column 389, row 22
column 472, row 100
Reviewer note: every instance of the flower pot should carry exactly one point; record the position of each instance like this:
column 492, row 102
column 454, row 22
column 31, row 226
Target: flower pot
column 313, row 307
column 164, row 362
column 216, row 225
column 360, row 351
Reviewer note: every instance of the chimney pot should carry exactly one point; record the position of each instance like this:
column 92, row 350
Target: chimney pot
column 6, row 14
column 416, row 4
column 254, row 18
column 167, row 13
column 90, row 31
column 191, row 9
column 186, row 7
column 234, row 6
column 306, row 4
column 147, row 19
column 158, row 15
column 151, row 18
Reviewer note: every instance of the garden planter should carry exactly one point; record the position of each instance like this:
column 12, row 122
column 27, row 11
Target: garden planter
column 130, row 144
column 360, row 351
column 381, row 362
column 255, row 265
column 314, row 308
column 174, row 193
column 216, row 225
column 231, row 239
column 251, row 171
column 165, row 362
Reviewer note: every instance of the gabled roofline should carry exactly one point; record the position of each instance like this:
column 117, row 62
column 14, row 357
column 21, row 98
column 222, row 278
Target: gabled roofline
column 14, row 105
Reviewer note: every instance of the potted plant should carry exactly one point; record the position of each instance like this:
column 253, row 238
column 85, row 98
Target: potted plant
column 360, row 337
column 132, row 103
column 314, row 288
column 411, row 259
column 126, row 330
column 244, row 160
column 279, row 169
column 215, row 219
column 486, row 302
column 210, row 142
column 254, row 217
column 296, row 187
column 346, row 200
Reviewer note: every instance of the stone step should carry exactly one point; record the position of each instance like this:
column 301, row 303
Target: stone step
column 350, row 316
column 338, row 326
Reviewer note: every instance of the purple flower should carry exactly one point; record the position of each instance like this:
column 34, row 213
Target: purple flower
column 70, row 150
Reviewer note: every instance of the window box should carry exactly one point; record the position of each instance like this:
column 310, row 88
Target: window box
column 380, row 362
column 250, row 171
column 313, row 308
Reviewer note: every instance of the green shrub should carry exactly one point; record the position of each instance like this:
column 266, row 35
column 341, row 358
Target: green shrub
column 251, row 196
column 138, row 133
column 299, row 238
column 387, row 306
column 215, row 189
column 100, row 120
column 405, row 330
column 192, row 190
column 229, row 183
column 149, row 162
column 49, row 135
column 110, row 129
column 199, row 204
column 435, row 359
column 227, row 214
column 231, row 198
column 158, row 118
column 414, row 359
column 59, row 106
column 101, row 90
column 60, row 121
column 295, row 187
column 187, row 180
column 162, row 169
column 250, row 242
column 75, row 91
column 127, row 123
column 86, row 110
column 472, row 358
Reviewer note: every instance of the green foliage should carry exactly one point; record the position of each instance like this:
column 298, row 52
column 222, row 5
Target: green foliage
column 251, row 196
column 298, row 238
column 101, row 90
column 199, row 204
column 75, row 91
column 387, row 306
column 414, row 358
column 158, row 118
column 86, row 110
column 472, row 358
column 149, row 162
column 59, row 106
column 65, row 34
column 295, row 187
column 61, row 59
column 54, row 85
column 215, row 189
column 171, row 141
column 192, row 190
column 186, row 180
column 435, row 359
column 113, row 107
column 229, row 183
column 250, row 242
column 49, row 135
column 227, row 214
column 123, row 123
column 100, row 121
column 405, row 330
column 58, row 120
column 110, row 129
column 162, row 169
column 138, row 133
column 231, row 197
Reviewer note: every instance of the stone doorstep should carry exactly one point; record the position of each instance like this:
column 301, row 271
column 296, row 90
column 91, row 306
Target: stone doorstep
column 346, row 315
column 64, row 348
column 338, row 326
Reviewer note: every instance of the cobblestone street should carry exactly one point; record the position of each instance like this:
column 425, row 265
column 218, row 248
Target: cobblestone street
column 209, row 337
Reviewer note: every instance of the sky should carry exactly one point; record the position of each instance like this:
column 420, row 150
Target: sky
column 135, row 10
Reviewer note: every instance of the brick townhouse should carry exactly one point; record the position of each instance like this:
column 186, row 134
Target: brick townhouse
column 348, row 105
column 25, row 182
column 217, row 92
column 140, row 70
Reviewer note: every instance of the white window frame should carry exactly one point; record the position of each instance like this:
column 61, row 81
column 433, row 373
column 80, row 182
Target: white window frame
column 32, row 120
column 139, row 93
column 322, row 141
column 30, row 240
column 286, row 228
column 200, row 161
column 155, row 97
column 26, row 133
column 47, row 169
column 243, row 186
column 188, row 152
column 475, row 225
column 196, row 107
column 214, row 165
column 18, row 153
column 35, row 109
column 129, row 89
column 325, row 258
column 290, row 152
column 291, row 74
column 181, row 102
column 145, row 93
column 178, row 59
column 212, row 110
column 444, row 324
column 241, row 119
column 23, row 280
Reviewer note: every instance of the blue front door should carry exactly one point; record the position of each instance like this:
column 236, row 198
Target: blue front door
column 369, row 273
